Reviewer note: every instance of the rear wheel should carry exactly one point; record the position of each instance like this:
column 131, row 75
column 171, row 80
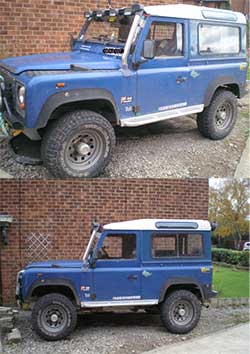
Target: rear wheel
column 180, row 312
column 54, row 317
column 218, row 119
column 79, row 144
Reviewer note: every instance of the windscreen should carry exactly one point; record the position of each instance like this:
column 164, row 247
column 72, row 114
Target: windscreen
column 113, row 30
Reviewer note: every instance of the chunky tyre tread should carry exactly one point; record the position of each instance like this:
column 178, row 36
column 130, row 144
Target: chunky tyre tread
column 45, row 301
column 60, row 129
column 165, row 309
column 206, row 119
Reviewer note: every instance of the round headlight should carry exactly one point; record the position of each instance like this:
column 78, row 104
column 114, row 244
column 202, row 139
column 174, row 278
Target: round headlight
column 21, row 94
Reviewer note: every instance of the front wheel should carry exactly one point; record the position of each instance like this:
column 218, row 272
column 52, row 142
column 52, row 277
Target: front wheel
column 218, row 119
column 54, row 317
column 180, row 312
column 79, row 144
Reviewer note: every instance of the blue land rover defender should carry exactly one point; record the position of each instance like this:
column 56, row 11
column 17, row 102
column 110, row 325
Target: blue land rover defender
column 161, row 266
column 128, row 67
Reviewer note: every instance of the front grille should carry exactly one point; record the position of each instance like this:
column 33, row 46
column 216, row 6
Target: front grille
column 9, row 82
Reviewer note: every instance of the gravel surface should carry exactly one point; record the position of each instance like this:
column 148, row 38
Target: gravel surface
column 121, row 333
column 173, row 148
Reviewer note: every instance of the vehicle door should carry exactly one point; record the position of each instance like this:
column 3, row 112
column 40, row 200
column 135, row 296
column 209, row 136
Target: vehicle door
column 116, row 276
column 162, row 82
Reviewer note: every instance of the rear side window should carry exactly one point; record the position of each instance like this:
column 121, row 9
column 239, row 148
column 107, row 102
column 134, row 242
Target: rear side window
column 177, row 245
column 190, row 245
column 215, row 39
column 164, row 246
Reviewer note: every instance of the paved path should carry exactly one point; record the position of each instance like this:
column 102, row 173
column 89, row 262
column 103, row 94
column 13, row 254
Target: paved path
column 243, row 168
column 234, row 340
column 4, row 175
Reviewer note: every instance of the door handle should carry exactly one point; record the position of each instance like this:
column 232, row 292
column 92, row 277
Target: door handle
column 180, row 79
column 132, row 277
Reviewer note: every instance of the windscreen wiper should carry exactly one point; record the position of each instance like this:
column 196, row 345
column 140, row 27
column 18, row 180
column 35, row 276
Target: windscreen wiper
column 79, row 68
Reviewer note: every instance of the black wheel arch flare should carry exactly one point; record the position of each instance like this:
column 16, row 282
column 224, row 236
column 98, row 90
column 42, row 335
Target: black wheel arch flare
column 73, row 96
column 53, row 282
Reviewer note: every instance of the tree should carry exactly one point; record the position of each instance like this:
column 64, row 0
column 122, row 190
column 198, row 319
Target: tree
column 229, row 203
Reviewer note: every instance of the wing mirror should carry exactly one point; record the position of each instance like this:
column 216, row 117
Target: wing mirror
column 92, row 260
column 213, row 225
column 149, row 49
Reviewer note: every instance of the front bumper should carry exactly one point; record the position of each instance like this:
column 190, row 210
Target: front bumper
column 12, row 120
column 8, row 113
column 19, row 283
column 15, row 121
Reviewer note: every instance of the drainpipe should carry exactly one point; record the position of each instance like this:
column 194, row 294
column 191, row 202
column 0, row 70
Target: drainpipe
column 5, row 221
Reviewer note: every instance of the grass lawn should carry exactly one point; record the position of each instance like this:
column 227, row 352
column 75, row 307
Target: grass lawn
column 248, row 72
column 230, row 282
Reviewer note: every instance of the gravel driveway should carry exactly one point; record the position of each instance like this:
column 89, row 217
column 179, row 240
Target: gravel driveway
column 173, row 148
column 121, row 333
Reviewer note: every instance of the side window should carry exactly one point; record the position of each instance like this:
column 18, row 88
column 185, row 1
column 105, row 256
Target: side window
column 215, row 39
column 190, row 245
column 164, row 245
column 118, row 246
column 168, row 37
column 176, row 245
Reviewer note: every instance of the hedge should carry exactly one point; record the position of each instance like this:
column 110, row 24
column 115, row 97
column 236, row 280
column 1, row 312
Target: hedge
column 240, row 258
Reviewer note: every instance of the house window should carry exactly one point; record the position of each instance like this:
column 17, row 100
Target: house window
column 168, row 37
column 215, row 39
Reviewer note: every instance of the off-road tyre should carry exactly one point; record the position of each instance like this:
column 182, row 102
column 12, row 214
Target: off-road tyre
column 59, row 304
column 208, row 121
column 59, row 139
column 168, row 311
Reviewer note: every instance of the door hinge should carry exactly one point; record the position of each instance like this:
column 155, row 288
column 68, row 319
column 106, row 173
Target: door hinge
column 136, row 109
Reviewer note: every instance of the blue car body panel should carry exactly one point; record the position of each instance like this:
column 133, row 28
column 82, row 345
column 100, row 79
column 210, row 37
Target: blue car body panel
column 111, row 280
column 149, row 86
column 61, row 61
column 164, row 271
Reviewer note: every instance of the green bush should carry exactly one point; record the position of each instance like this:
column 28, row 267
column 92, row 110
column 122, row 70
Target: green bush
column 240, row 258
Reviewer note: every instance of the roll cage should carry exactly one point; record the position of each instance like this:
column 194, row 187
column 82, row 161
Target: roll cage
column 95, row 234
column 135, row 10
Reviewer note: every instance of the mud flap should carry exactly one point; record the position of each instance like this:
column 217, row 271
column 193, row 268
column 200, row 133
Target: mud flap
column 25, row 151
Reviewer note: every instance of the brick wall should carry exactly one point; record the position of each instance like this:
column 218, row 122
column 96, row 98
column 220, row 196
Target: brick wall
column 40, row 26
column 64, row 210
column 241, row 6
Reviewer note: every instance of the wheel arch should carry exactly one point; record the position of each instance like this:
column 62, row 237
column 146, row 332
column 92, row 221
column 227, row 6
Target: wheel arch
column 98, row 100
column 182, row 284
column 223, row 82
column 64, row 287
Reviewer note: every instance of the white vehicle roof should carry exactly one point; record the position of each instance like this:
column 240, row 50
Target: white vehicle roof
column 150, row 224
column 195, row 13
